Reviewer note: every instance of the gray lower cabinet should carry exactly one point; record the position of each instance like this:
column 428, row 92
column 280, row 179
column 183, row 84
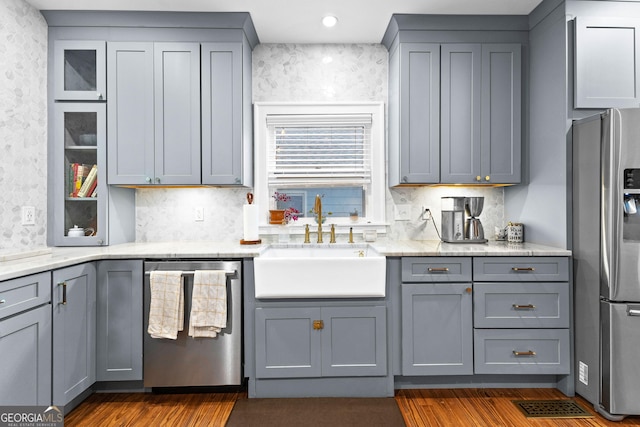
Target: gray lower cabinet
column 25, row 340
column 521, row 315
column 437, row 319
column 306, row 342
column 74, row 331
column 607, row 55
column 437, row 329
column 119, row 320
column 153, row 113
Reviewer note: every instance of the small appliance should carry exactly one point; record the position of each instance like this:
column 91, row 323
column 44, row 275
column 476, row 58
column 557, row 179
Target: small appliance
column 452, row 219
column 473, row 230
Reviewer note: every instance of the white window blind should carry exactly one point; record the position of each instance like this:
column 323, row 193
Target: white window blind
column 319, row 149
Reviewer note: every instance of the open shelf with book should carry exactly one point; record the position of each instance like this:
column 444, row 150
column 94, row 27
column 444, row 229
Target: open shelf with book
column 79, row 175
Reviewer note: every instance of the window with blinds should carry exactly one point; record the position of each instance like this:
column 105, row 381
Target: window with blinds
column 322, row 150
column 332, row 150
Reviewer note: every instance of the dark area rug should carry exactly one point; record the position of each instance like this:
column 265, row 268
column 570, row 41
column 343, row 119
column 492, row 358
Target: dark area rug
column 316, row 411
column 551, row 409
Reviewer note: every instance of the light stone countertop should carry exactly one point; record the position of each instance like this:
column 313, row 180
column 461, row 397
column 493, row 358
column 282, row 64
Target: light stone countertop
column 36, row 261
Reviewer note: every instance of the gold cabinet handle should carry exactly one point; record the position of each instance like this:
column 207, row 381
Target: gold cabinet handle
column 523, row 269
column 478, row 178
column 487, row 178
column 469, row 290
column 64, row 292
column 524, row 307
column 524, row 353
column 318, row 324
column 438, row 269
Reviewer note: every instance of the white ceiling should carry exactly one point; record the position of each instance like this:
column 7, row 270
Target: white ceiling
column 298, row 21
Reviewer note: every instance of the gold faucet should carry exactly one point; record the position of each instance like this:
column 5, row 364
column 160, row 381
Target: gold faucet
column 317, row 208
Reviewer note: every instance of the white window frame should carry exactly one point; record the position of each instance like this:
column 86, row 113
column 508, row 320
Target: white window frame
column 374, row 199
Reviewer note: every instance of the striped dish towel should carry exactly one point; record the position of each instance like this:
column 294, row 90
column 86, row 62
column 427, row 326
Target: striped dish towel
column 166, row 311
column 208, row 304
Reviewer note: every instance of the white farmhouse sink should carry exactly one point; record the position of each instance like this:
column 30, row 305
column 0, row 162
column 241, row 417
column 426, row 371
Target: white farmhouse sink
column 325, row 271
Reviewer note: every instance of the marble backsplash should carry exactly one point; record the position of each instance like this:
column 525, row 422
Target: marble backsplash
column 23, row 125
column 296, row 73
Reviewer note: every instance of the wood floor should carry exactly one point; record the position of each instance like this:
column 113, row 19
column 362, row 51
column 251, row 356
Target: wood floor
column 441, row 408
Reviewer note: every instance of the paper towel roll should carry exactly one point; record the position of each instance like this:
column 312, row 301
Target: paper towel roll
column 250, row 220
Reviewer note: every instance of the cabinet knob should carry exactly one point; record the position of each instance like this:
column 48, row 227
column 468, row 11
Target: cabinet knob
column 237, row 181
column 318, row 324
column 148, row 179
column 469, row 290
column 2, row 301
column 99, row 95
column 405, row 179
column 157, row 180
column 487, row 178
column 478, row 178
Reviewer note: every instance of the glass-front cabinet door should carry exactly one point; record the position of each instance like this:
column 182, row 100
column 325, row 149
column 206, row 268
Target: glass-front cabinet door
column 80, row 70
column 79, row 174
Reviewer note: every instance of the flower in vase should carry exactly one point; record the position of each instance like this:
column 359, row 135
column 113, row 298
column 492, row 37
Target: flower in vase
column 290, row 213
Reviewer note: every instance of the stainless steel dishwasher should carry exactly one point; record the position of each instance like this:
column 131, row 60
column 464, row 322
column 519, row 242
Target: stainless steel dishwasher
column 189, row 361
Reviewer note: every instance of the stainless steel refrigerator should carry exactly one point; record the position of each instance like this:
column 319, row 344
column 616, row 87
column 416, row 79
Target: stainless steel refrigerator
column 605, row 214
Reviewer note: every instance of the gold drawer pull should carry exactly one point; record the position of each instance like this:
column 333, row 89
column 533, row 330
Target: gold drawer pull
column 524, row 307
column 523, row 269
column 438, row 269
column 524, row 353
column 318, row 324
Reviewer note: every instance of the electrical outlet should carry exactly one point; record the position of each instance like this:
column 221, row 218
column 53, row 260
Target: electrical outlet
column 402, row 212
column 28, row 215
column 198, row 213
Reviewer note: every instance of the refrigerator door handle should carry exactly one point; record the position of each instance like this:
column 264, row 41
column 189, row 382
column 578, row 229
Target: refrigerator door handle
column 611, row 203
column 633, row 311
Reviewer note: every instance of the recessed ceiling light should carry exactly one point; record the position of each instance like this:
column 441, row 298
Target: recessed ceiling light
column 329, row 21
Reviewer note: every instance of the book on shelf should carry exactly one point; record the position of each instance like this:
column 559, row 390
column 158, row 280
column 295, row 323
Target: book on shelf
column 77, row 176
column 87, row 183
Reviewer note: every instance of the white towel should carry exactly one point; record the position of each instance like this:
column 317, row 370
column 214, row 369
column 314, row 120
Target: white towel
column 208, row 303
column 166, row 311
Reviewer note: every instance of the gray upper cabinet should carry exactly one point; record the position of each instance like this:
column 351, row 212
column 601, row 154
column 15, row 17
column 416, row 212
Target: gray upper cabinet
column 154, row 133
column 607, row 74
column 455, row 99
column 481, row 114
column 130, row 111
column 78, row 145
column 79, row 68
column 414, row 110
column 226, row 113
column 460, row 105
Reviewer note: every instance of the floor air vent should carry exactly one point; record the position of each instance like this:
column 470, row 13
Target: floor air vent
column 551, row 409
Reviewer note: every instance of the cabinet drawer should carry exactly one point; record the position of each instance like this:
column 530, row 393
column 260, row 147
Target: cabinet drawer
column 521, row 351
column 23, row 293
column 521, row 305
column 436, row 269
column 521, row 269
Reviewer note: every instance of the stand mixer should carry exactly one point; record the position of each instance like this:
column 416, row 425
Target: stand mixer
column 473, row 230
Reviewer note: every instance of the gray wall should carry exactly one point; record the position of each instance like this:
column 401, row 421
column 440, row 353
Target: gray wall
column 542, row 204
column 23, row 125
